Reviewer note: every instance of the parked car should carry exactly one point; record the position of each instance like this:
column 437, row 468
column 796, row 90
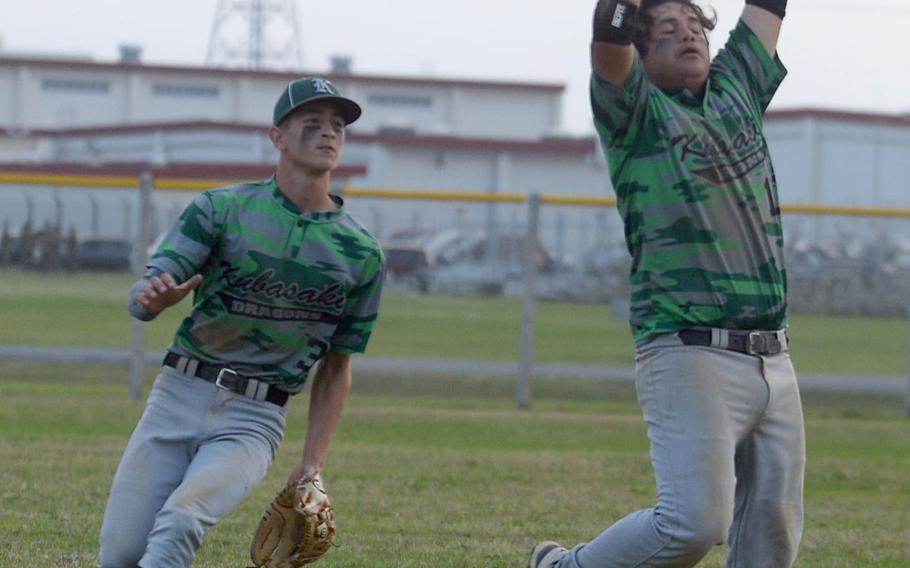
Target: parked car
column 407, row 266
column 105, row 254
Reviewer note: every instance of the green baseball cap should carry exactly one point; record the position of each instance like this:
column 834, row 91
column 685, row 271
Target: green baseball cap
column 309, row 89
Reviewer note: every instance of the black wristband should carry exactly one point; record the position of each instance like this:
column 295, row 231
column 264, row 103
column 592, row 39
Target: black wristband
column 776, row 7
column 614, row 21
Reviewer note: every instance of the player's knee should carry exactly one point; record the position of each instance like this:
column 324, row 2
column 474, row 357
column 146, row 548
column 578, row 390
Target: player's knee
column 707, row 521
column 706, row 533
column 116, row 555
column 177, row 535
column 179, row 530
column 783, row 524
column 782, row 512
column 119, row 550
column 695, row 534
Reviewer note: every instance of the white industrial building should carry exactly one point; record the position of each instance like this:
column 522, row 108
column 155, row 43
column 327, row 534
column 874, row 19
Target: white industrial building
column 416, row 133
column 67, row 93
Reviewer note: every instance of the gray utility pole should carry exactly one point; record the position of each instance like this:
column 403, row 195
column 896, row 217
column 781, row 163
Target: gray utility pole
column 140, row 255
column 255, row 34
column 529, row 305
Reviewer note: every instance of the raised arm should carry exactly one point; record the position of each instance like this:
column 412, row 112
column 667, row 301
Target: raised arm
column 764, row 18
column 612, row 54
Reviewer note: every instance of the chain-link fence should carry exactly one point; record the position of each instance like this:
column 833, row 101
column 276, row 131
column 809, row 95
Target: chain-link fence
column 840, row 260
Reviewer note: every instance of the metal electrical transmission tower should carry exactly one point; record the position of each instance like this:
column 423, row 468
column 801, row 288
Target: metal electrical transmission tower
column 255, row 34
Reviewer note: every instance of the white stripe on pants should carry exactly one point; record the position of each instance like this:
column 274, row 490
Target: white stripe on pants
column 728, row 450
column 195, row 454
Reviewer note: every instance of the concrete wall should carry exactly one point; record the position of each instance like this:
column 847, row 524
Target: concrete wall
column 841, row 160
column 66, row 94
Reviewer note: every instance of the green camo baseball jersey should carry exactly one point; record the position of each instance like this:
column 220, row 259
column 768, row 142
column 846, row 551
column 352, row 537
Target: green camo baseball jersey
column 697, row 194
column 281, row 287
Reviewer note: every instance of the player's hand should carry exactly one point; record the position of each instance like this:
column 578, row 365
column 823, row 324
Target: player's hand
column 163, row 292
column 311, row 495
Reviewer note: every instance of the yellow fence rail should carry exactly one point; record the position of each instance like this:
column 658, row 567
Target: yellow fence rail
column 179, row 184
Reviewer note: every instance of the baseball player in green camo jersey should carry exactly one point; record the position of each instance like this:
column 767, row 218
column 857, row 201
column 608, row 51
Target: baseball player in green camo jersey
column 283, row 278
column 695, row 188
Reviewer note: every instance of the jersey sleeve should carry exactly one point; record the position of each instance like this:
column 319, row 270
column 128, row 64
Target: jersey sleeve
column 618, row 108
column 188, row 244
column 361, row 309
column 136, row 309
column 746, row 61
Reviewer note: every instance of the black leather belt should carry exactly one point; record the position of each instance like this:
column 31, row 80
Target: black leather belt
column 743, row 341
column 226, row 378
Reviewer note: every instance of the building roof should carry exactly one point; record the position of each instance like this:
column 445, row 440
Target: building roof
column 138, row 128
column 408, row 138
column 200, row 171
column 550, row 145
column 220, row 72
column 392, row 137
column 839, row 116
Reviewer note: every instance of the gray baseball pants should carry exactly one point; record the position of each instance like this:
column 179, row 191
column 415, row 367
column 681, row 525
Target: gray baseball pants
column 728, row 450
column 195, row 454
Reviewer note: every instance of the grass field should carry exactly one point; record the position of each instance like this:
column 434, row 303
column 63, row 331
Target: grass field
column 440, row 472
column 436, row 471
column 89, row 310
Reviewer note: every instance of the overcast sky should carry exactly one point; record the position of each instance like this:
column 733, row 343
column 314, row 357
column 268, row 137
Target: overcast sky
column 841, row 54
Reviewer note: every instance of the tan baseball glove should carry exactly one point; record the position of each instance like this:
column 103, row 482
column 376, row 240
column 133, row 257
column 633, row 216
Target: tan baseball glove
column 293, row 533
